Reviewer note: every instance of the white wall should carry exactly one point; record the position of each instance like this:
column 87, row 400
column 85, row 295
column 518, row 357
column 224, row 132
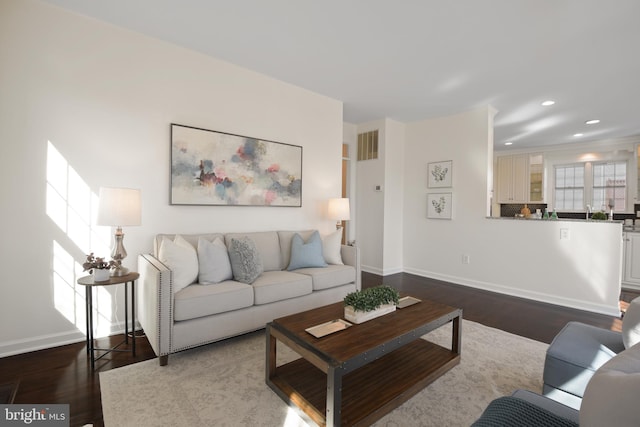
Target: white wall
column 394, row 142
column 371, row 203
column 522, row 258
column 100, row 99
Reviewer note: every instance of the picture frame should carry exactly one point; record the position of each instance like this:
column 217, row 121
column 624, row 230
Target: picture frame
column 222, row 169
column 440, row 174
column 439, row 205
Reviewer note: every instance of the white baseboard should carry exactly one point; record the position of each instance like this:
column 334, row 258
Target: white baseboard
column 11, row 348
column 507, row 290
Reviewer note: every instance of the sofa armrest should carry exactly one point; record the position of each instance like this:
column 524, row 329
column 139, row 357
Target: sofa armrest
column 155, row 303
column 351, row 256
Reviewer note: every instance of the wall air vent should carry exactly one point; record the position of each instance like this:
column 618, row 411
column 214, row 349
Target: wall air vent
column 368, row 145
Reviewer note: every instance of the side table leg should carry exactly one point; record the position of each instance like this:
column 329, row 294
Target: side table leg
column 126, row 313
column 90, row 331
column 133, row 316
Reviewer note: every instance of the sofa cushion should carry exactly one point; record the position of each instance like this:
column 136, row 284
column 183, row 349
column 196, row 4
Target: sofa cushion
column 330, row 276
column 279, row 285
column 331, row 247
column 267, row 244
column 181, row 258
column 611, row 398
column 246, row 262
column 213, row 262
column 200, row 300
column 306, row 254
column 631, row 324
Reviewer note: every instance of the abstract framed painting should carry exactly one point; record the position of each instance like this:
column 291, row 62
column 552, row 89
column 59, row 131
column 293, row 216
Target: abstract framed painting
column 223, row 169
column 440, row 174
column 439, row 205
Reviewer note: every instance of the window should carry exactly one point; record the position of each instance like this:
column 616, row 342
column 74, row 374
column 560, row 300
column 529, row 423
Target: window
column 610, row 186
column 569, row 188
column 596, row 184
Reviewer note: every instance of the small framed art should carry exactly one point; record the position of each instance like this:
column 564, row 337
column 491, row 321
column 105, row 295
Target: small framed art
column 439, row 174
column 439, row 205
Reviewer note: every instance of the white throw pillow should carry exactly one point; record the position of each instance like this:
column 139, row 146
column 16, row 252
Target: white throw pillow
column 331, row 247
column 181, row 257
column 213, row 260
column 631, row 324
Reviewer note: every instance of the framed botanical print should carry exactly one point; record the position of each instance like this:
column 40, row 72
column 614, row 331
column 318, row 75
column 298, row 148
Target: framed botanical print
column 440, row 174
column 439, row 205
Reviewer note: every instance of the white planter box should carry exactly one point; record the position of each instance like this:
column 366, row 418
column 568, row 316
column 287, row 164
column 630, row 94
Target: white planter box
column 362, row 316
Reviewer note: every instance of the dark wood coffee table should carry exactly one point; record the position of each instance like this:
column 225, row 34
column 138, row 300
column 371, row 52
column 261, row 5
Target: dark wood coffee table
column 357, row 375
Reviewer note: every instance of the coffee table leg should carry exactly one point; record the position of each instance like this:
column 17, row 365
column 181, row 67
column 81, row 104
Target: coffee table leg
column 271, row 355
column 334, row 396
column 456, row 343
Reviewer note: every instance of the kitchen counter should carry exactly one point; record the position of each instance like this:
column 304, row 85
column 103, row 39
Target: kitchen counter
column 508, row 218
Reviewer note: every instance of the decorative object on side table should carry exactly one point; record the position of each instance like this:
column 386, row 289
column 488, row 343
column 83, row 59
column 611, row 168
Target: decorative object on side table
column 99, row 268
column 370, row 303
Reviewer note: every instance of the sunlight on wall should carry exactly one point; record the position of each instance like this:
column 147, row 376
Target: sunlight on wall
column 72, row 206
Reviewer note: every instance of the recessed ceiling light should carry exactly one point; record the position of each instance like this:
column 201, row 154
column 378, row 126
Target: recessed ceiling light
column 592, row 122
column 548, row 103
column 578, row 134
column 508, row 143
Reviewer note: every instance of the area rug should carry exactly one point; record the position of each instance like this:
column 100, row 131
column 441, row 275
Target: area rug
column 223, row 384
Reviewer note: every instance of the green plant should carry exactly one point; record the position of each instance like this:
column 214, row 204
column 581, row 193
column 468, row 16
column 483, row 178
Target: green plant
column 97, row 262
column 599, row 215
column 372, row 298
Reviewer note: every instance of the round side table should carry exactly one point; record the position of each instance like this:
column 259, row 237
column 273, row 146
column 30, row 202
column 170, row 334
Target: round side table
column 129, row 282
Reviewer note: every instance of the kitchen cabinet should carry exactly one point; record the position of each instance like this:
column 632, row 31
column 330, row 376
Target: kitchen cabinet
column 520, row 178
column 631, row 260
column 512, row 178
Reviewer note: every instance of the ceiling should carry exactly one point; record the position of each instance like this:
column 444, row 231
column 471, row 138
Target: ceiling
column 410, row 60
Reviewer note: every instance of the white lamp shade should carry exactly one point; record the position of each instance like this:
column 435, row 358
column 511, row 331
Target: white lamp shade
column 339, row 209
column 119, row 207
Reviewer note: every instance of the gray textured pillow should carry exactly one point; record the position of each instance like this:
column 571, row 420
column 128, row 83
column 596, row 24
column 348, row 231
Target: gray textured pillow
column 246, row 263
column 631, row 324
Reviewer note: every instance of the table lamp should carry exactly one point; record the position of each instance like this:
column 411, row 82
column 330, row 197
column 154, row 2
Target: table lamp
column 119, row 207
column 339, row 210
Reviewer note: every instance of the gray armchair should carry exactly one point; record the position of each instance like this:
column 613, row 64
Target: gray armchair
column 591, row 378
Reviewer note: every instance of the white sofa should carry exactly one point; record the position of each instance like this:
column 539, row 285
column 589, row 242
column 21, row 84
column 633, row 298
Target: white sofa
column 178, row 319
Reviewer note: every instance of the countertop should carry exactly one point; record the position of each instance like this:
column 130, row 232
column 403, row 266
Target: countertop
column 509, row 218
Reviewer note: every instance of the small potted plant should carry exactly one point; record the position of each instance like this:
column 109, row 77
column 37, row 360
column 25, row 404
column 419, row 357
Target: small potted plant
column 370, row 303
column 599, row 216
column 98, row 267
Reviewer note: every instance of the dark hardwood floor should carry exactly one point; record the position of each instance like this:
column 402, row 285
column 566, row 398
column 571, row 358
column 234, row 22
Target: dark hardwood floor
column 63, row 374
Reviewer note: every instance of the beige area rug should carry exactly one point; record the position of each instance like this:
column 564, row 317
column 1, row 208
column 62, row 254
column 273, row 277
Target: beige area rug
column 223, row 384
